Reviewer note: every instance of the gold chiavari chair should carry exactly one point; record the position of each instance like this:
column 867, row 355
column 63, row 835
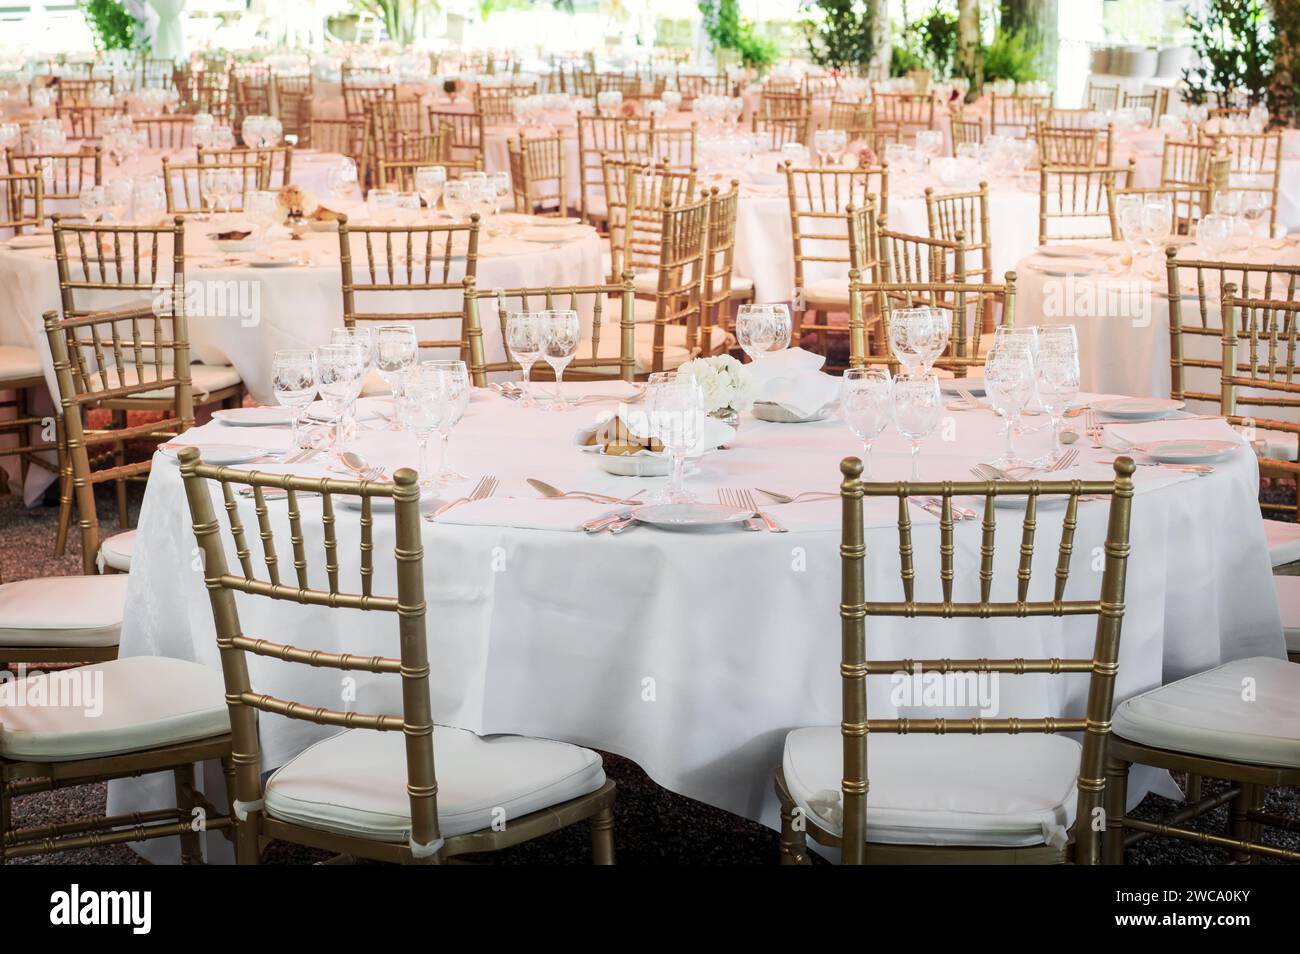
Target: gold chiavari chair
column 1046, row 815
column 1102, row 98
column 1074, row 197
column 848, row 116
column 438, row 261
column 785, row 116
column 635, row 196
column 65, row 173
column 1016, row 115
column 170, row 133
column 864, row 266
column 79, row 92
column 102, row 360
column 719, row 258
column 911, row 112
column 537, row 175
column 654, row 146
column 822, row 90
column 496, row 103
column 378, row 775
column 84, row 122
column 1071, row 146
column 466, row 138
column 414, row 151
column 343, row 136
column 967, row 128
column 1205, row 725
column 183, row 183
column 693, row 87
column 628, row 85
column 819, row 201
column 156, row 73
column 210, row 94
column 1256, row 165
column 106, row 267
column 293, row 103
column 359, row 99
column 608, row 304
column 20, row 367
column 964, row 214
column 876, row 138
column 1081, row 117
column 278, row 161
column 1153, row 100
column 1190, row 205
column 1186, row 163
column 251, row 86
column 599, row 137
column 392, row 126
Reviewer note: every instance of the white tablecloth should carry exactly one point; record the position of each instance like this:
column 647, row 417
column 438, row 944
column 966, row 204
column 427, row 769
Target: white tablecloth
column 694, row 653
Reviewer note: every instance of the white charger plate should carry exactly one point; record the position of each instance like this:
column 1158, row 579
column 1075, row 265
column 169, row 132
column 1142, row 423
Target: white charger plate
column 220, row 454
column 1189, row 451
column 253, row 416
column 690, row 516
column 1138, row 409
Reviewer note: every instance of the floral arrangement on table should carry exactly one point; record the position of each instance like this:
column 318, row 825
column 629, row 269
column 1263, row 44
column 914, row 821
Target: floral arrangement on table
column 629, row 109
column 451, row 86
column 297, row 205
column 725, row 383
column 865, row 154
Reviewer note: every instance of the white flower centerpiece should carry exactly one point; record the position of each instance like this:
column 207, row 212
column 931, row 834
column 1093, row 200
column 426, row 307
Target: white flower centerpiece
column 726, row 385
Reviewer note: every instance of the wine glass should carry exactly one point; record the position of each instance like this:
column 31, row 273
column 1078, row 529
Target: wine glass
column 1009, row 385
column 418, row 409
column 381, row 204
column 675, row 413
column 450, row 393
column 1157, row 221
column 755, row 329
column 829, row 143
column 1255, row 213
column 456, row 197
column 117, row 199
column 293, row 375
column 917, row 405
column 866, row 403
column 561, row 335
column 1214, row 234
column 341, row 179
column 429, row 182
column 501, row 189
column 92, row 203
column 917, row 336
column 1056, row 371
column 524, row 339
column 394, row 348
column 340, row 371
column 1128, row 215
column 263, row 211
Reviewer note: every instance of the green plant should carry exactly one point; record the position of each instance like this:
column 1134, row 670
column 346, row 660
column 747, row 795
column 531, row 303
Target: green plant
column 935, row 40
column 1010, row 56
column 756, row 49
column 1236, row 47
column 1284, row 93
column 902, row 60
column 111, row 27
column 727, row 30
column 843, row 34
column 402, row 19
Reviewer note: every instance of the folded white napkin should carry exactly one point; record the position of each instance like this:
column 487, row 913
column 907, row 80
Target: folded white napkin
column 527, row 513
column 1142, row 432
column 635, row 417
column 793, row 379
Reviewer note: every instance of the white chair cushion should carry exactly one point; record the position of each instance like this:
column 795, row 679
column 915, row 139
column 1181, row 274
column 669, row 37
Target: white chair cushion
column 995, row 790
column 121, row 706
column 741, row 286
column 61, row 611
column 1283, row 541
column 115, row 552
column 1279, row 445
column 1288, row 602
column 1206, row 714
column 827, row 293
column 646, row 283
column 18, row 364
column 205, row 379
column 355, row 783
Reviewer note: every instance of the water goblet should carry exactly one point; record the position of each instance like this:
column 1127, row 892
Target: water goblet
column 917, row 406
column 524, row 340
column 866, row 404
column 293, row 375
column 561, row 335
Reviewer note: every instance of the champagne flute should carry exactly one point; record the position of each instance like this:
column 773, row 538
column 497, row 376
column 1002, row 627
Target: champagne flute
column 561, row 335
column 676, row 417
column 917, row 406
column 866, row 403
column 524, row 339
column 293, row 374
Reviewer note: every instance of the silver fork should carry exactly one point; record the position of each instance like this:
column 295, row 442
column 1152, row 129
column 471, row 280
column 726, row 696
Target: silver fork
column 731, row 498
column 485, row 488
column 747, row 502
column 1093, row 428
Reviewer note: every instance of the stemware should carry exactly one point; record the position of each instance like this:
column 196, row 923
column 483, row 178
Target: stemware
column 262, row 209
column 1056, row 372
column 117, row 199
column 501, row 189
column 456, row 196
column 381, row 205
column 429, row 182
column 524, row 339
column 1009, row 386
column 393, row 350
column 1128, row 214
column 830, row 144
column 561, row 335
column 917, row 405
column 92, row 203
column 1214, row 234
column 675, row 413
column 449, row 388
column 341, row 179
column 1157, row 221
column 293, row 374
column 866, row 403
column 340, row 372
column 917, row 336
column 418, row 409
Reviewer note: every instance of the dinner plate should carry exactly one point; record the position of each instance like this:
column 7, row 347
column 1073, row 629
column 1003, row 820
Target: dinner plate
column 1138, row 409
column 30, row 241
column 274, row 262
column 689, row 516
column 368, row 409
column 1189, row 451
column 974, row 384
column 253, row 416
column 217, row 453
column 779, row 414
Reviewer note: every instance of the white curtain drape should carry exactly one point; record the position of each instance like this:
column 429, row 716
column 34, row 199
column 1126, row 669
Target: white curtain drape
column 169, row 36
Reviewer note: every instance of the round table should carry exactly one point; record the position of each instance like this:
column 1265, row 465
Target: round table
column 694, row 653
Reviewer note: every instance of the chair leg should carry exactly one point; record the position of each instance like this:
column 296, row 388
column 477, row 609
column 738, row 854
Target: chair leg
column 1239, row 828
column 191, row 848
column 65, row 490
column 4, row 819
column 119, row 455
column 602, row 837
column 1112, row 852
column 794, row 843
column 1193, row 789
